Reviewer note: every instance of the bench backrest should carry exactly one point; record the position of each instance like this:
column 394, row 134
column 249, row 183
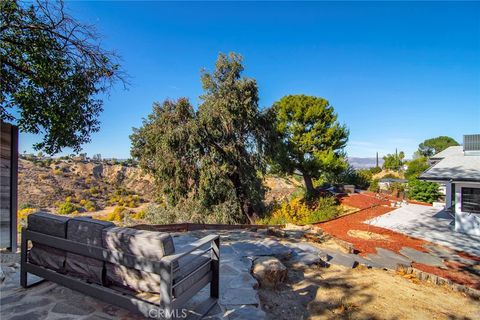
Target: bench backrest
column 138, row 243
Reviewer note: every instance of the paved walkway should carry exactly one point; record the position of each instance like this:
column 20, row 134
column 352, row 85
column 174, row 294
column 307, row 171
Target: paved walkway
column 428, row 223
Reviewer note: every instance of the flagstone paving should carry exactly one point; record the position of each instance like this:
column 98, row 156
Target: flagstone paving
column 238, row 295
column 238, row 288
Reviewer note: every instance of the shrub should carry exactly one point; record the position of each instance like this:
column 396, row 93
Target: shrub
column 118, row 214
column 139, row 215
column 416, row 167
column 375, row 170
column 423, row 191
column 121, row 192
column 67, row 207
column 396, row 188
column 25, row 205
column 374, row 186
column 93, row 191
column 22, row 215
column 300, row 211
column 89, row 206
column 191, row 210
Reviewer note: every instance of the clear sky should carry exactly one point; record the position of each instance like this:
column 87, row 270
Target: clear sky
column 396, row 73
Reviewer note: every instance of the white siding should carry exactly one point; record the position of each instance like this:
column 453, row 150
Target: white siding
column 466, row 222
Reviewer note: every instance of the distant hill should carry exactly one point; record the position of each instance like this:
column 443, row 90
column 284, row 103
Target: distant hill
column 362, row 163
column 42, row 183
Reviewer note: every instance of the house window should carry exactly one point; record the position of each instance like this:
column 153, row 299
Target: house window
column 471, row 200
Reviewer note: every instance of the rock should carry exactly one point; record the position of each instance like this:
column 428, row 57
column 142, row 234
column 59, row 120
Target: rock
column 39, row 314
column 388, row 259
column 347, row 247
column 291, row 226
column 269, row 271
column 422, row 257
column 246, row 313
column 390, row 254
column 240, row 296
column 75, row 309
column 306, row 259
column 345, row 260
column 276, row 233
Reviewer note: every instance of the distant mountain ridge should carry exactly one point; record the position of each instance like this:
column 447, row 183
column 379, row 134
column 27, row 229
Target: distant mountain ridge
column 364, row 163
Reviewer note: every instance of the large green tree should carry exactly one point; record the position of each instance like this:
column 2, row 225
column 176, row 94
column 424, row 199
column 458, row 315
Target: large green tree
column 309, row 139
column 53, row 70
column 394, row 161
column 167, row 146
column 234, row 133
column 214, row 155
column 433, row 146
column 416, row 167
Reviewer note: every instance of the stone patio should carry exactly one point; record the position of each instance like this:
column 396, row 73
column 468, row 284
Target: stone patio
column 238, row 295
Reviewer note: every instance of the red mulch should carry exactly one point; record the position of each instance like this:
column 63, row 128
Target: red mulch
column 395, row 199
column 340, row 227
column 362, row 201
column 372, row 207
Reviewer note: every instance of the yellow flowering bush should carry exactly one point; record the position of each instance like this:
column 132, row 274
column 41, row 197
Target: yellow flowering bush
column 22, row 216
column 117, row 214
column 299, row 211
column 139, row 215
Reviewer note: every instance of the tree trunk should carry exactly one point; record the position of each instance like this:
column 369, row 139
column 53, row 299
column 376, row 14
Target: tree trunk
column 308, row 183
column 245, row 204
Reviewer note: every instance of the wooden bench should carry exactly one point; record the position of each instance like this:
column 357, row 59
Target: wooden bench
column 180, row 275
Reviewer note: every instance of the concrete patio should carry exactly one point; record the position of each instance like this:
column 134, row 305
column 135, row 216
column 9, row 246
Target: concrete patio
column 432, row 224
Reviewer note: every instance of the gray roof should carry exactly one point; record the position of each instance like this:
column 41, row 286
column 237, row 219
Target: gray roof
column 450, row 151
column 454, row 166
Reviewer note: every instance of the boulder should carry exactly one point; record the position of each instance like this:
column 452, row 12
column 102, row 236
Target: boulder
column 269, row 271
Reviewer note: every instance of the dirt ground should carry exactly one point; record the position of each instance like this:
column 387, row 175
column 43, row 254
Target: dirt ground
column 340, row 293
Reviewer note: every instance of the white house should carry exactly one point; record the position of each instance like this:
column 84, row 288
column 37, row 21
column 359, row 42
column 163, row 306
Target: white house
column 459, row 169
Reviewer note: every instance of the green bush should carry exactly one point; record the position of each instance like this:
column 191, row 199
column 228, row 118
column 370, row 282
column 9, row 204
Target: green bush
column 66, row 208
column 191, row 210
column 396, row 188
column 374, row 186
column 423, row 191
column 90, row 206
column 416, row 167
column 375, row 170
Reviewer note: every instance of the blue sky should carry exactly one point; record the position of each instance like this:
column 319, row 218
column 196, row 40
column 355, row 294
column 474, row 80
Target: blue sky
column 396, row 73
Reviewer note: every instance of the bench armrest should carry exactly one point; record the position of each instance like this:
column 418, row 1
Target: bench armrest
column 191, row 247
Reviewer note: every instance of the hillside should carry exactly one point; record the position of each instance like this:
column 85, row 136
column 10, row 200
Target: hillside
column 44, row 185
column 41, row 184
